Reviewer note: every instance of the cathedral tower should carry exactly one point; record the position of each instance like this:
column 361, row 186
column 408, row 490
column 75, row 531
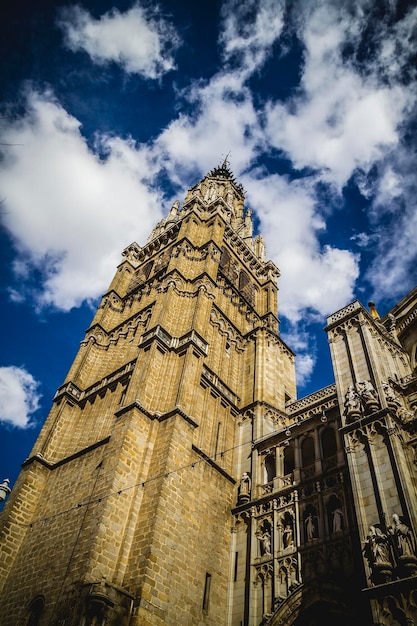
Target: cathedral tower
column 121, row 514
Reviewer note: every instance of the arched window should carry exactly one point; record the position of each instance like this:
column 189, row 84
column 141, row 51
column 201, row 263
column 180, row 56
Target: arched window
column 33, row 613
column 307, row 452
column 270, row 467
column 243, row 280
column 328, row 443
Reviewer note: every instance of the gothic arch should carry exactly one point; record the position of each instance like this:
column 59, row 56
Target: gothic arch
column 243, row 280
column 289, row 459
column 307, row 451
column 34, row 611
column 328, row 442
column 270, row 467
column 302, row 610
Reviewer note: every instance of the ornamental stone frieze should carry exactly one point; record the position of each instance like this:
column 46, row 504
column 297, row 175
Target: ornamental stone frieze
column 226, row 328
column 181, row 286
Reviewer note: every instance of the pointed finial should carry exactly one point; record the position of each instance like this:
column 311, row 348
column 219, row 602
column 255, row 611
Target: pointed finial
column 372, row 310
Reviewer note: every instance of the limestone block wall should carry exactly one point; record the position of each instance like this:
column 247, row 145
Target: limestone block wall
column 55, row 535
column 182, row 534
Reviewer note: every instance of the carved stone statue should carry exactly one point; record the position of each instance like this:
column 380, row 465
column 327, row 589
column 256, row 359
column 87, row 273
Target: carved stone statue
column 266, row 542
column 288, row 536
column 368, row 395
column 310, row 525
column 244, row 488
column 390, row 395
column 405, row 415
column 337, row 520
column 404, row 539
column 377, row 552
column 404, row 546
column 352, row 404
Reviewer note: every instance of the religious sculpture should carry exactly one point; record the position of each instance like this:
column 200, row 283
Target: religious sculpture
column 377, row 552
column 266, row 542
column 390, row 395
column 310, row 526
column 244, row 488
column 368, row 396
column 337, row 520
column 352, row 404
column 288, row 536
column 404, row 539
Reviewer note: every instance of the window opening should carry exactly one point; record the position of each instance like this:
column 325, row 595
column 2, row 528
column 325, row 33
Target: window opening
column 206, row 596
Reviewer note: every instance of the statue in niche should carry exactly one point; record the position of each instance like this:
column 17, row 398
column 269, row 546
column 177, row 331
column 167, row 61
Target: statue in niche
column 288, row 536
column 338, row 518
column 244, row 488
column 266, row 542
column 404, row 539
column 352, row 404
column 311, row 526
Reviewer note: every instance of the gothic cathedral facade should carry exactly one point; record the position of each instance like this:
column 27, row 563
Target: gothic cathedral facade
column 177, row 479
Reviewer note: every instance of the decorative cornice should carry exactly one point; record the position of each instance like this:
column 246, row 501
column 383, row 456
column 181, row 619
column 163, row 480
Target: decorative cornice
column 314, row 400
column 210, row 378
column 40, row 459
column 213, row 464
column 78, row 395
column 167, row 342
column 156, row 415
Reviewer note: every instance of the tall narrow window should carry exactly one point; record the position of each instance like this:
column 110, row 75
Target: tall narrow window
column 206, row 596
column 216, row 445
column 307, row 452
column 236, row 562
column 289, row 462
column 328, row 443
column 270, row 468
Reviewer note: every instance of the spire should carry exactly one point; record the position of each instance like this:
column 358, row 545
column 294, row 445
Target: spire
column 224, row 172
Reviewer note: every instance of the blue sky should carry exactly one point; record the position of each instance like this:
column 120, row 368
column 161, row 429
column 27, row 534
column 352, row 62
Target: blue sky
column 109, row 111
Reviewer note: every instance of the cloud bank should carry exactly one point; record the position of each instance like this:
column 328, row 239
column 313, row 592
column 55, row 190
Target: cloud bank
column 139, row 40
column 71, row 204
column 19, row 397
column 71, row 210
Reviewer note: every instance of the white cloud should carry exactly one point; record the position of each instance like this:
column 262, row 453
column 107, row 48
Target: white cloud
column 139, row 40
column 304, row 366
column 313, row 277
column 342, row 119
column 19, row 396
column 226, row 121
column 249, row 30
column 393, row 270
column 70, row 213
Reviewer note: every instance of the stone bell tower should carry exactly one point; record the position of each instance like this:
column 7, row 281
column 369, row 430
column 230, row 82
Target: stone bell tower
column 121, row 514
